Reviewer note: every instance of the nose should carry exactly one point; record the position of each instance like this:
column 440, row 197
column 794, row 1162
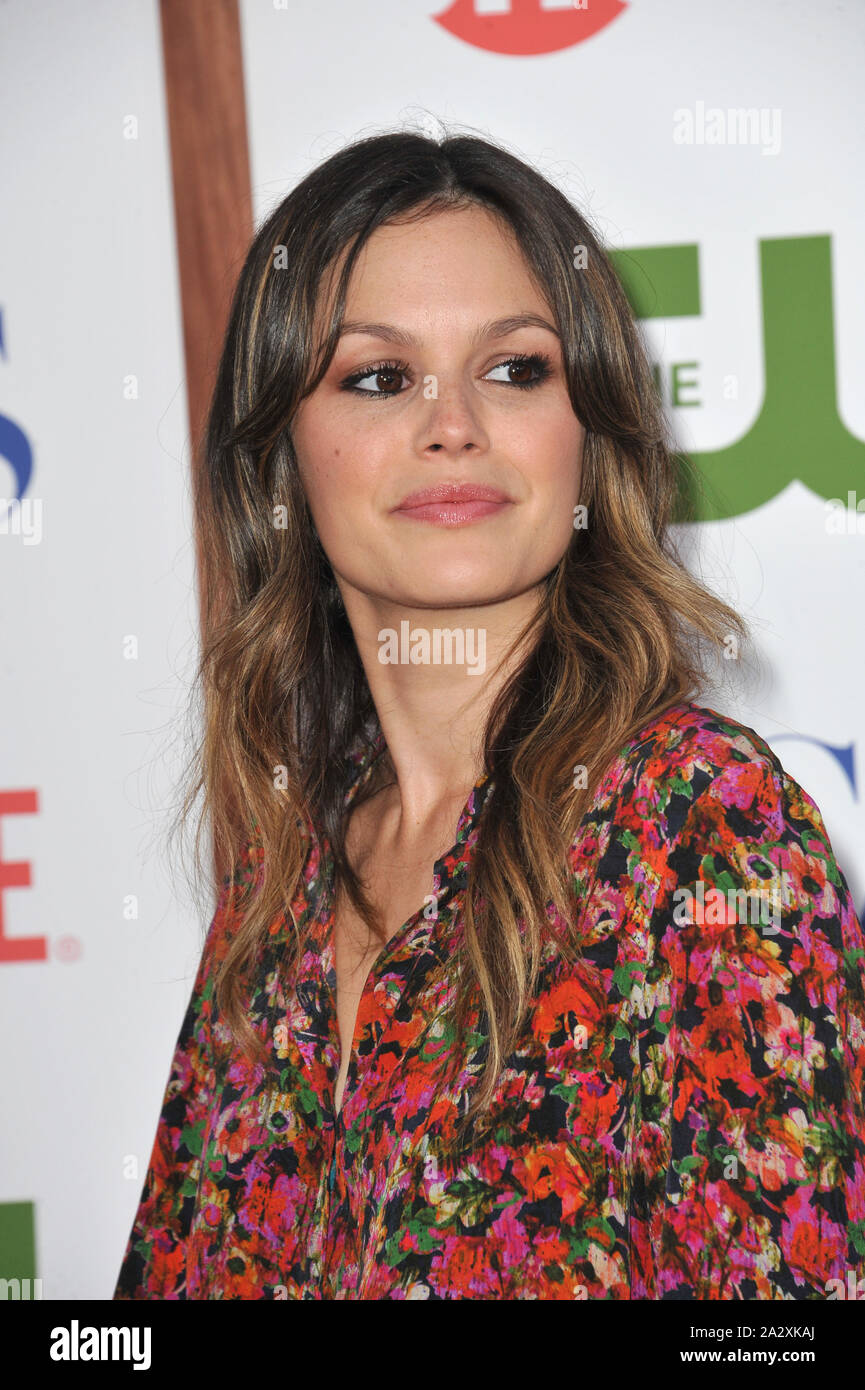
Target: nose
column 452, row 422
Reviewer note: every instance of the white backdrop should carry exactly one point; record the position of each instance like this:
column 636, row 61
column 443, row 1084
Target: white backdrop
column 88, row 299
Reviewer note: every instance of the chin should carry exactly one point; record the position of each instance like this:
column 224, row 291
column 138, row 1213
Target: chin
column 453, row 596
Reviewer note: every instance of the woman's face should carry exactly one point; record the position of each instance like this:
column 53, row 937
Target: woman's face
column 441, row 405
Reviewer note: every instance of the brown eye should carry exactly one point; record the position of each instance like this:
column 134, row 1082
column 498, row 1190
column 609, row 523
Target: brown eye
column 385, row 378
column 521, row 372
column 387, row 381
column 524, row 371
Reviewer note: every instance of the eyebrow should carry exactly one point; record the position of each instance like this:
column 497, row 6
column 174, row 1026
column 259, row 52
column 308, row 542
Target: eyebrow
column 496, row 328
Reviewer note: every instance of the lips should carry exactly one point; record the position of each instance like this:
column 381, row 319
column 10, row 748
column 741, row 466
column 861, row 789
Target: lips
column 444, row 494
column 452, row 505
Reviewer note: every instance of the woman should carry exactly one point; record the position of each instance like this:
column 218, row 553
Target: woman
column 530, row 976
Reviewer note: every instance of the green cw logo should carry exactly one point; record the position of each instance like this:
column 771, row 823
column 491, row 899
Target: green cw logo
column 18, row 1252
column 798, row 433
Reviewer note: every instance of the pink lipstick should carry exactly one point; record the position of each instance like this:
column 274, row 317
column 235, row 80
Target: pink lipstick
column 453, row 504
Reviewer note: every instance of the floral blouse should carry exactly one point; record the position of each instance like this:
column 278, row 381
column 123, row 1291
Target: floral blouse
column 695, row 1130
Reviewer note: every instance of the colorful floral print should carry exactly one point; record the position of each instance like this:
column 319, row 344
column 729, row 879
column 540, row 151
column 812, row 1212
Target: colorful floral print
column 691, row 1127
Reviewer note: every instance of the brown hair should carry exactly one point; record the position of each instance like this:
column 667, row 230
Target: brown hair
column 282, row 684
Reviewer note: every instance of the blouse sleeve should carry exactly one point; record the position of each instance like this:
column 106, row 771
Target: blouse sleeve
column 154, row 1263
column 749, row 1170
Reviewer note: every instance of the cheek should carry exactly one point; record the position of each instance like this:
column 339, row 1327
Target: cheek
column 556, row 454
column 321, row 461
column 558, row 481
column 337, row 491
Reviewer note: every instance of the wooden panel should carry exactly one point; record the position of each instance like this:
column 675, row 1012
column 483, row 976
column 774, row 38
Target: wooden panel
column 210, row 174
column 206, row 108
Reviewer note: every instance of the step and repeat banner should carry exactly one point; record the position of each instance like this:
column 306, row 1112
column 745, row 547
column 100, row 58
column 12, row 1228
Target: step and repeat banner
column 716, row 150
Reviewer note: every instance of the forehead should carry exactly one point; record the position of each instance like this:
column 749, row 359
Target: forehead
column 462, row 258
column 451, row 238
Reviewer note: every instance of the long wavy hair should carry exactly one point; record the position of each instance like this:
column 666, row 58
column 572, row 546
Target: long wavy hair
column 282, row 688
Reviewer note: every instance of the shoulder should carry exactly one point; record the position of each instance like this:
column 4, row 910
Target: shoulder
column 696, row 796
column 693, row 766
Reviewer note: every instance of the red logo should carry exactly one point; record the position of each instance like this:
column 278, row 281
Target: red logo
column 17, row 875
column 528, row 26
